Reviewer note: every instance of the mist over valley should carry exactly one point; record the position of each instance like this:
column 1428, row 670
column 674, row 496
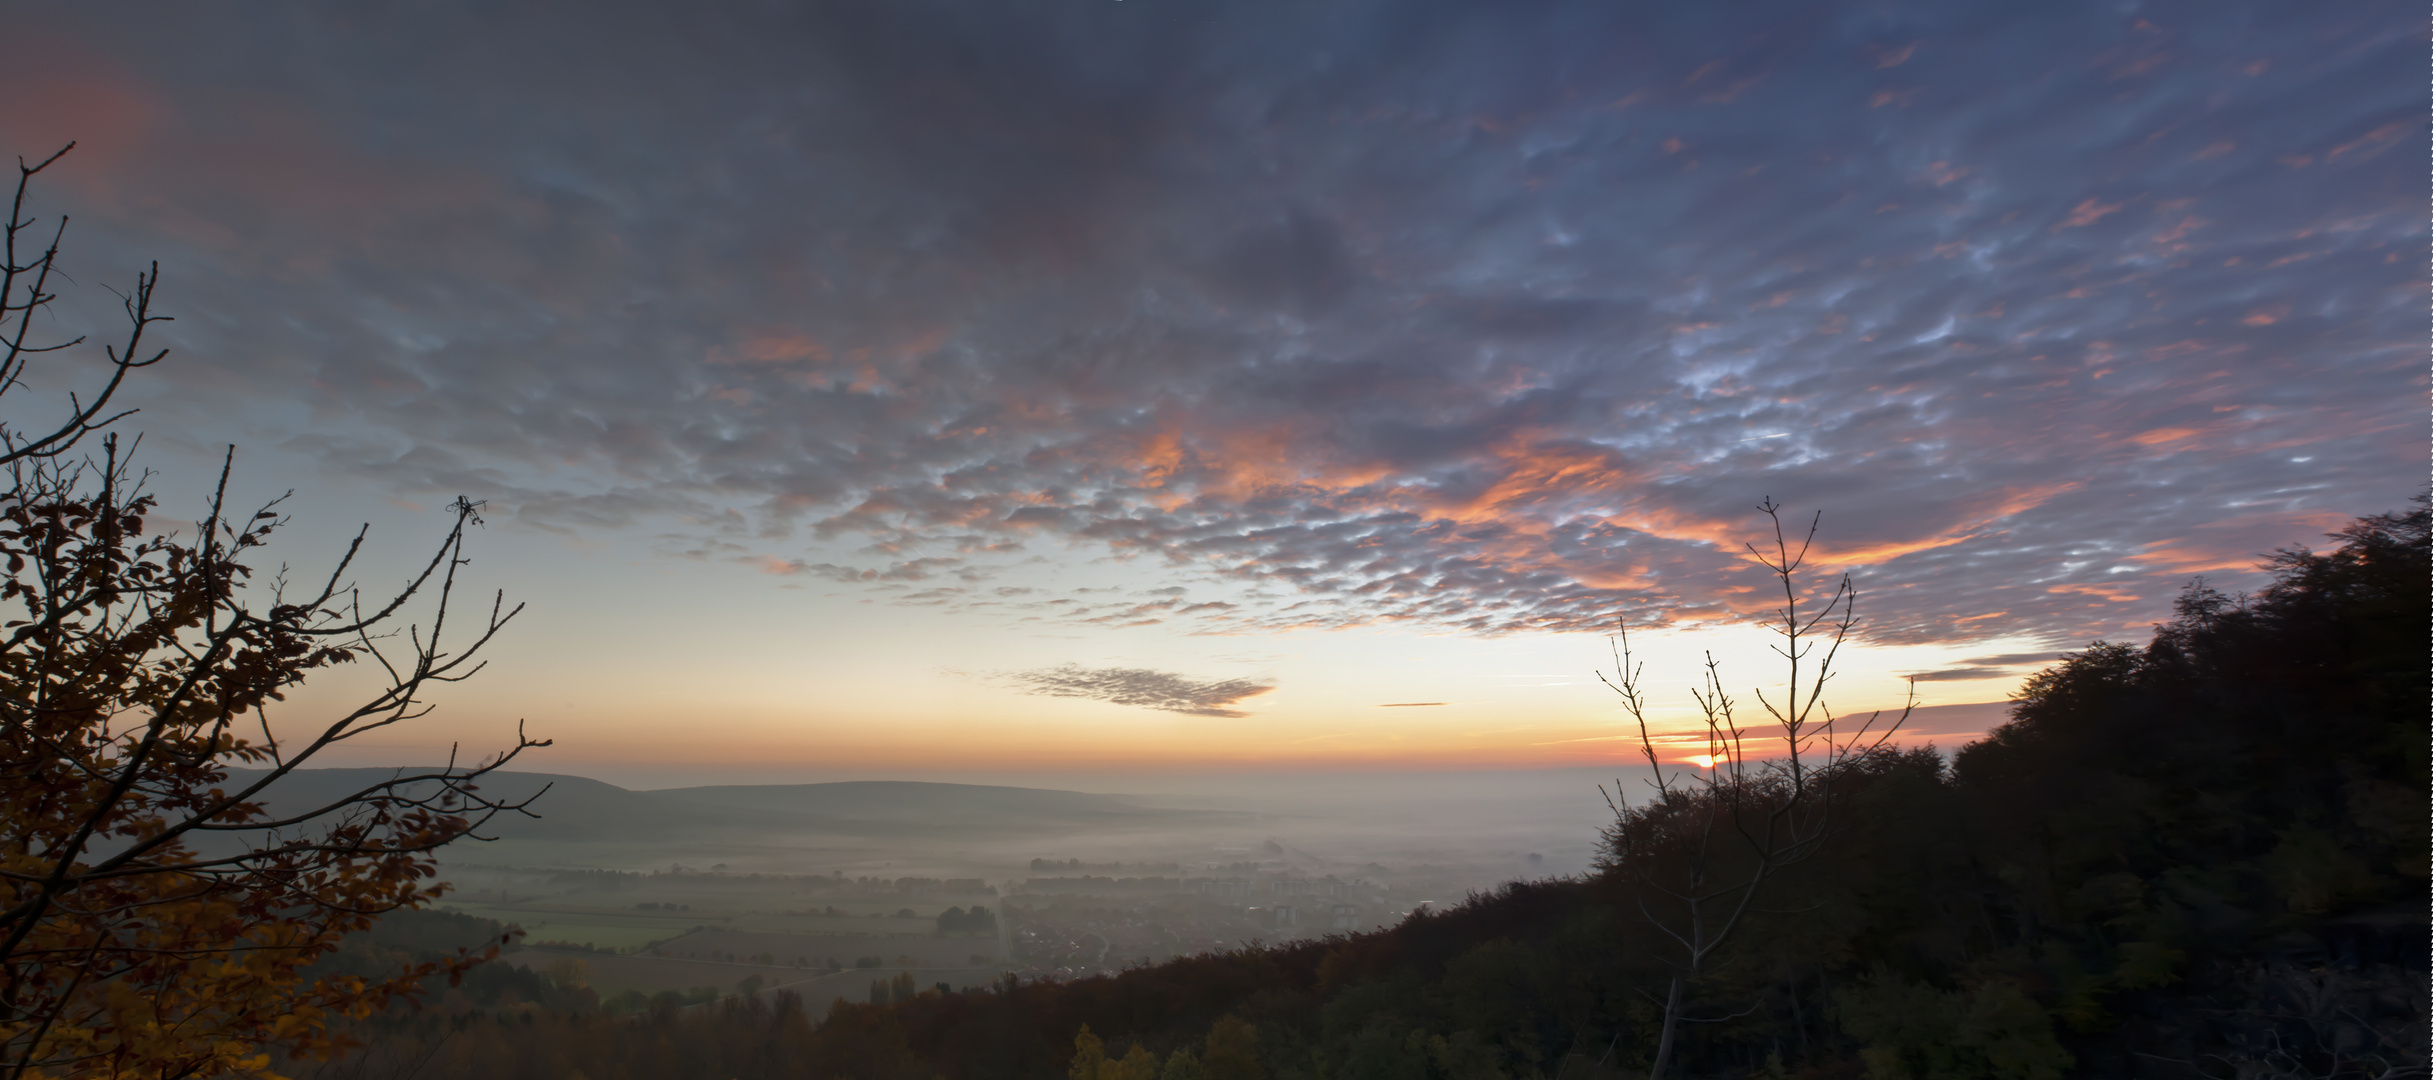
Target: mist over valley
column 821, row 888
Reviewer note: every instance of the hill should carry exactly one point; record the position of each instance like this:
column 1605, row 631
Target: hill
column 878, row 806
column 580, row 822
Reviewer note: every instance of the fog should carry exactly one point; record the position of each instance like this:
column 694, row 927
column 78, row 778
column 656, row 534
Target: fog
column 1468, row 830
column 813, row 887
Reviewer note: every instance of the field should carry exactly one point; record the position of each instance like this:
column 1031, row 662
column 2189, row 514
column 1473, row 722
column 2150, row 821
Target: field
column 895, row 952
column 800, row 962
column 686, row 931
column 591, row 928
column 627, row 912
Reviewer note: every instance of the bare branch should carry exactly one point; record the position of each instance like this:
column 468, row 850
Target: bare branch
column 1775, row 813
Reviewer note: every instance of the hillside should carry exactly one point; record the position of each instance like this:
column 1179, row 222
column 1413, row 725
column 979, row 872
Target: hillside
column 2203, row 856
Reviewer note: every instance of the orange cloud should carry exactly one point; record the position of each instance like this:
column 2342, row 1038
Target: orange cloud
column 770, row 347
column 2160, row 436
column 1177, row 460
column 774, row 566
column 1979, row 514
column 2111, row 594
column 2170, row 240
column 2186, row 557
column 2234, row 545
column 2374, row 142
column 1534, row 470
column 2087, row 212
column 1943, row 172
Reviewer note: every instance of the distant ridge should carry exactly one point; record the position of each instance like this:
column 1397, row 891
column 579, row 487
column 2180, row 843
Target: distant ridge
column 913, row 800
column 580, row 809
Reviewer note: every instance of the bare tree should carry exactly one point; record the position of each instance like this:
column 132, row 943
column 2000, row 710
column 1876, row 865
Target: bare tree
column 136, row 672
column 84, row 416
column 1710, row 841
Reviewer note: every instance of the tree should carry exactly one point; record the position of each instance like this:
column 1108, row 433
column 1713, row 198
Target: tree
column 156, row 917
column 2262, row 760
column 955, row 920
column 1089, row 1055
column 1090, row 1060
column 1232, row 1051
column 1182, row 1065
column 1138, row 1063
column 1708, row 845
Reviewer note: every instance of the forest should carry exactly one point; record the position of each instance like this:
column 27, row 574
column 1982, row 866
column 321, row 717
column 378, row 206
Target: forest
column 2202, row 856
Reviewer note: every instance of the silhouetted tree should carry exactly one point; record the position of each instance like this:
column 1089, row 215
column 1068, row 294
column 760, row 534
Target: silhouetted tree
column 1709, row 845
column 135, row 673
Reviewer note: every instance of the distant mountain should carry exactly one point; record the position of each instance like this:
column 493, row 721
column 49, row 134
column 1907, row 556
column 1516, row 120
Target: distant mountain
column 571, row 807
column 962, row 805
column 579, row 809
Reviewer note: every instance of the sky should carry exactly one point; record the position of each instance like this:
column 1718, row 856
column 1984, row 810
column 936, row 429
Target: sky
column 1160, row 386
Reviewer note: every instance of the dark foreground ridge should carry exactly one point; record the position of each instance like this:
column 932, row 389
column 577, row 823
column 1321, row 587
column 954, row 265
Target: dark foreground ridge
column 2200, row 857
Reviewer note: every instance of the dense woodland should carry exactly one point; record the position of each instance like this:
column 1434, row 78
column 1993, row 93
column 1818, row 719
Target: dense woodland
column 2202, row 856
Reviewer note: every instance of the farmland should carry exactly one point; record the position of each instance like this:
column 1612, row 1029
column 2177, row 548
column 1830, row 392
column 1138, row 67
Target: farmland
column 824, row 937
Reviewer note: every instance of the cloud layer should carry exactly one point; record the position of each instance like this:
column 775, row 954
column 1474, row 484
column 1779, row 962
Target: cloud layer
column 1488, row 318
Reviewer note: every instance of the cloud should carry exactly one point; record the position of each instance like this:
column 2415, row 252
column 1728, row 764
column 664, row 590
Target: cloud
column 1332, row 310
column 1143, row 688
column 2006, row 660
column 1963, row 674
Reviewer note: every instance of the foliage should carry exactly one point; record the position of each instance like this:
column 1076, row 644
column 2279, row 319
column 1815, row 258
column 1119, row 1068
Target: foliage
column 1907, row 1029
column 156, row 919
column 1090, row 1061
